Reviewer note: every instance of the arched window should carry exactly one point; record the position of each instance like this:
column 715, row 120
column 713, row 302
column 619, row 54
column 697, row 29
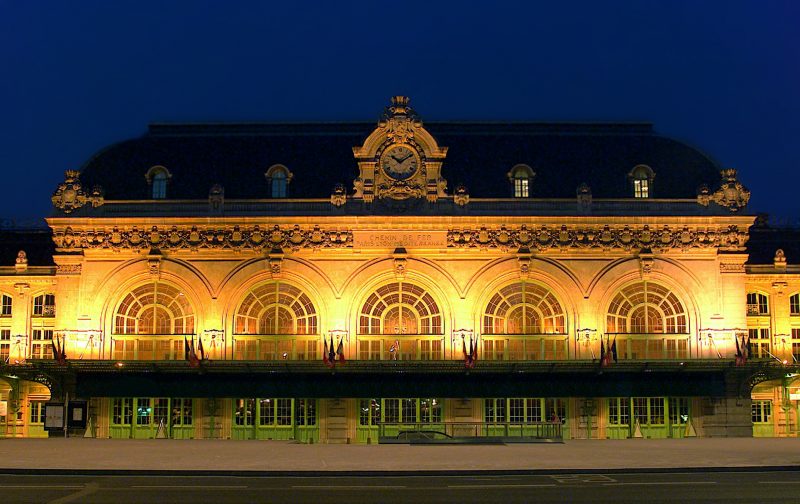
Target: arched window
column 157, row 177
column 276, row 308
column 524, row 308
column 642, row 179
column 155, row 308
column 794, row 304
column 400, row 308
column 757, row 304
column 279, row 177
column 521, row 177
column 646, row 308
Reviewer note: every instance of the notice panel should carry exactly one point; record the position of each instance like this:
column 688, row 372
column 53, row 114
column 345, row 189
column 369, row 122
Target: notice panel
column 407, row 239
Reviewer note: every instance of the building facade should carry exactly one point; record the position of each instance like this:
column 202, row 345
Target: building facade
column 341, row 291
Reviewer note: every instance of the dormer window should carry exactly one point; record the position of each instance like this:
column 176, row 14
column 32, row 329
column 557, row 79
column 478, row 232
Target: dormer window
column 279, row 177
column 157, row 177
column 521, row 177
column 642, row 178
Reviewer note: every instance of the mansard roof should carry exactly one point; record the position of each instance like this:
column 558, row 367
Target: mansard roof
column 480, row 155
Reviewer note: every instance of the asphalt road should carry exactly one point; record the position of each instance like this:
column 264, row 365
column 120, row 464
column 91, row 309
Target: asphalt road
column 687, row 487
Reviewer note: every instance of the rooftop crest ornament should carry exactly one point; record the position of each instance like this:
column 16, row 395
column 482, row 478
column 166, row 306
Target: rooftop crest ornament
column 731, row 194
column 70, row 196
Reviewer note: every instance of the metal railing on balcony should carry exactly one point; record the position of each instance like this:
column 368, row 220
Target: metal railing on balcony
column 756, row 310
column 524, row 347
column 276, row 347
column 652, row 346
column 149, row 347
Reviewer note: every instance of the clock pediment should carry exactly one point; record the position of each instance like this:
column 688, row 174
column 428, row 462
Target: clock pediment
column 400, row 159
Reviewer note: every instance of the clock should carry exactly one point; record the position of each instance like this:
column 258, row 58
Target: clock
column 400, row 162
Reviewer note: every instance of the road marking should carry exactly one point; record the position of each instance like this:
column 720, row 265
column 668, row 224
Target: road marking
column 662, row 483
column 42, row 486
column 346, row 487
column 780, row 482
column 582, row 478
column 503, row 486
column 182, row 487
column 89, row 489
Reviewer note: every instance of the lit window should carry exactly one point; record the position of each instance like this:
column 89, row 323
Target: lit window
column 154, row 308
column 521, row 176
column 158, row 177
column 160, row 185
column 44, row 305
column 642, row 178
column 794, row 304
column 757, row 304
column 6, row 307
column 762, row 412
column 279, row 178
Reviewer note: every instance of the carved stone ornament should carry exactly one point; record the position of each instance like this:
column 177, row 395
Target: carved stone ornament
column 196, row 238
column 461, row 195
column 154, row 264
column 726, row 238
column 584, row 194
column 399, row 160
column 399, row 256
column 524, row 262
column 275, row 262
column 70, row 195
column 338, row 196
column 731, row 268
column 780, row 259
column 216, row 197
column 731, row 194
column 645, row 263
column 21, row 262
column 68, row 269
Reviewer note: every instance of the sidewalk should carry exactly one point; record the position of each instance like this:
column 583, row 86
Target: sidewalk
column 78, row 454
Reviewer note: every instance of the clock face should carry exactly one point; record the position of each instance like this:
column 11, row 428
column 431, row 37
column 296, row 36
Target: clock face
column 399, row 162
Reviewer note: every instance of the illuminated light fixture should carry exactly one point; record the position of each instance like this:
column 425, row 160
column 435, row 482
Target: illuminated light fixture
column 119, row 365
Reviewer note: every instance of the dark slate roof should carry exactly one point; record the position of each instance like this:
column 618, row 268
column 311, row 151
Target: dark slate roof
column 37, row 244
column 765, row 240
column 563, row 155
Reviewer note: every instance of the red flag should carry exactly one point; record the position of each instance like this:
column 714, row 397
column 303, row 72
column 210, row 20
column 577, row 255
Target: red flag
column 602, row 353
column 332, row 352
column 464, row 347
column 192, row 358
column 475, row 352
column 340, row 350
column 325, row 353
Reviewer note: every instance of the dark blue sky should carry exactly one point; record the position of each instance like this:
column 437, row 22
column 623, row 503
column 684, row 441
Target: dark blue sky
column 79, row 75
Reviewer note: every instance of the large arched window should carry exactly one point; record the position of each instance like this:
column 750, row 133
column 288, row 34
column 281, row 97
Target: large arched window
column 154, row 308
column 646, row 308
column 400, row 308
column 158, row 176
column 276, row 308
column 524, row 308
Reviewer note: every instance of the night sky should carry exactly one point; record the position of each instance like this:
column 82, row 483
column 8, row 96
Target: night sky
column 79, row 75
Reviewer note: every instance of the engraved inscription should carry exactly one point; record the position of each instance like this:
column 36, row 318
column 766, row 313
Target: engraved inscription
column 388, row 239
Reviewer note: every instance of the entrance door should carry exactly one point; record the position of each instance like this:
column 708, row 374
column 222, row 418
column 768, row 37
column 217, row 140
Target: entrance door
column 152, row 413
column 121, row 423
column 181, row 418
column 244, row 415
column 369, row 419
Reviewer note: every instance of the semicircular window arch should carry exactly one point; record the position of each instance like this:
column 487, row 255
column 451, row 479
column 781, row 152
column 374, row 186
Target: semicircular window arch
column 400, row 308
column 154, row 308
column 276, row 308
column 524, row 308
column 646, row 308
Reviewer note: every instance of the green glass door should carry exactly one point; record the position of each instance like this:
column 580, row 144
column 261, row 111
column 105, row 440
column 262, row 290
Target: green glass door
column 121, row 424
column 181, row 418
column 369, row 419
column 244, row 415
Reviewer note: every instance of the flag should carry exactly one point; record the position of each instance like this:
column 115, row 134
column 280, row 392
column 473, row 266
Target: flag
column 602, row 352
column 340, row 350
column 186, row 349
column 59, row 355
column 192, row 356
column 200, row 345
column 475, row 352
column 332, row 352
column 739, row 356
column 464, row 348
column 748, row 349
column 325, row 353
column 614, row 349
